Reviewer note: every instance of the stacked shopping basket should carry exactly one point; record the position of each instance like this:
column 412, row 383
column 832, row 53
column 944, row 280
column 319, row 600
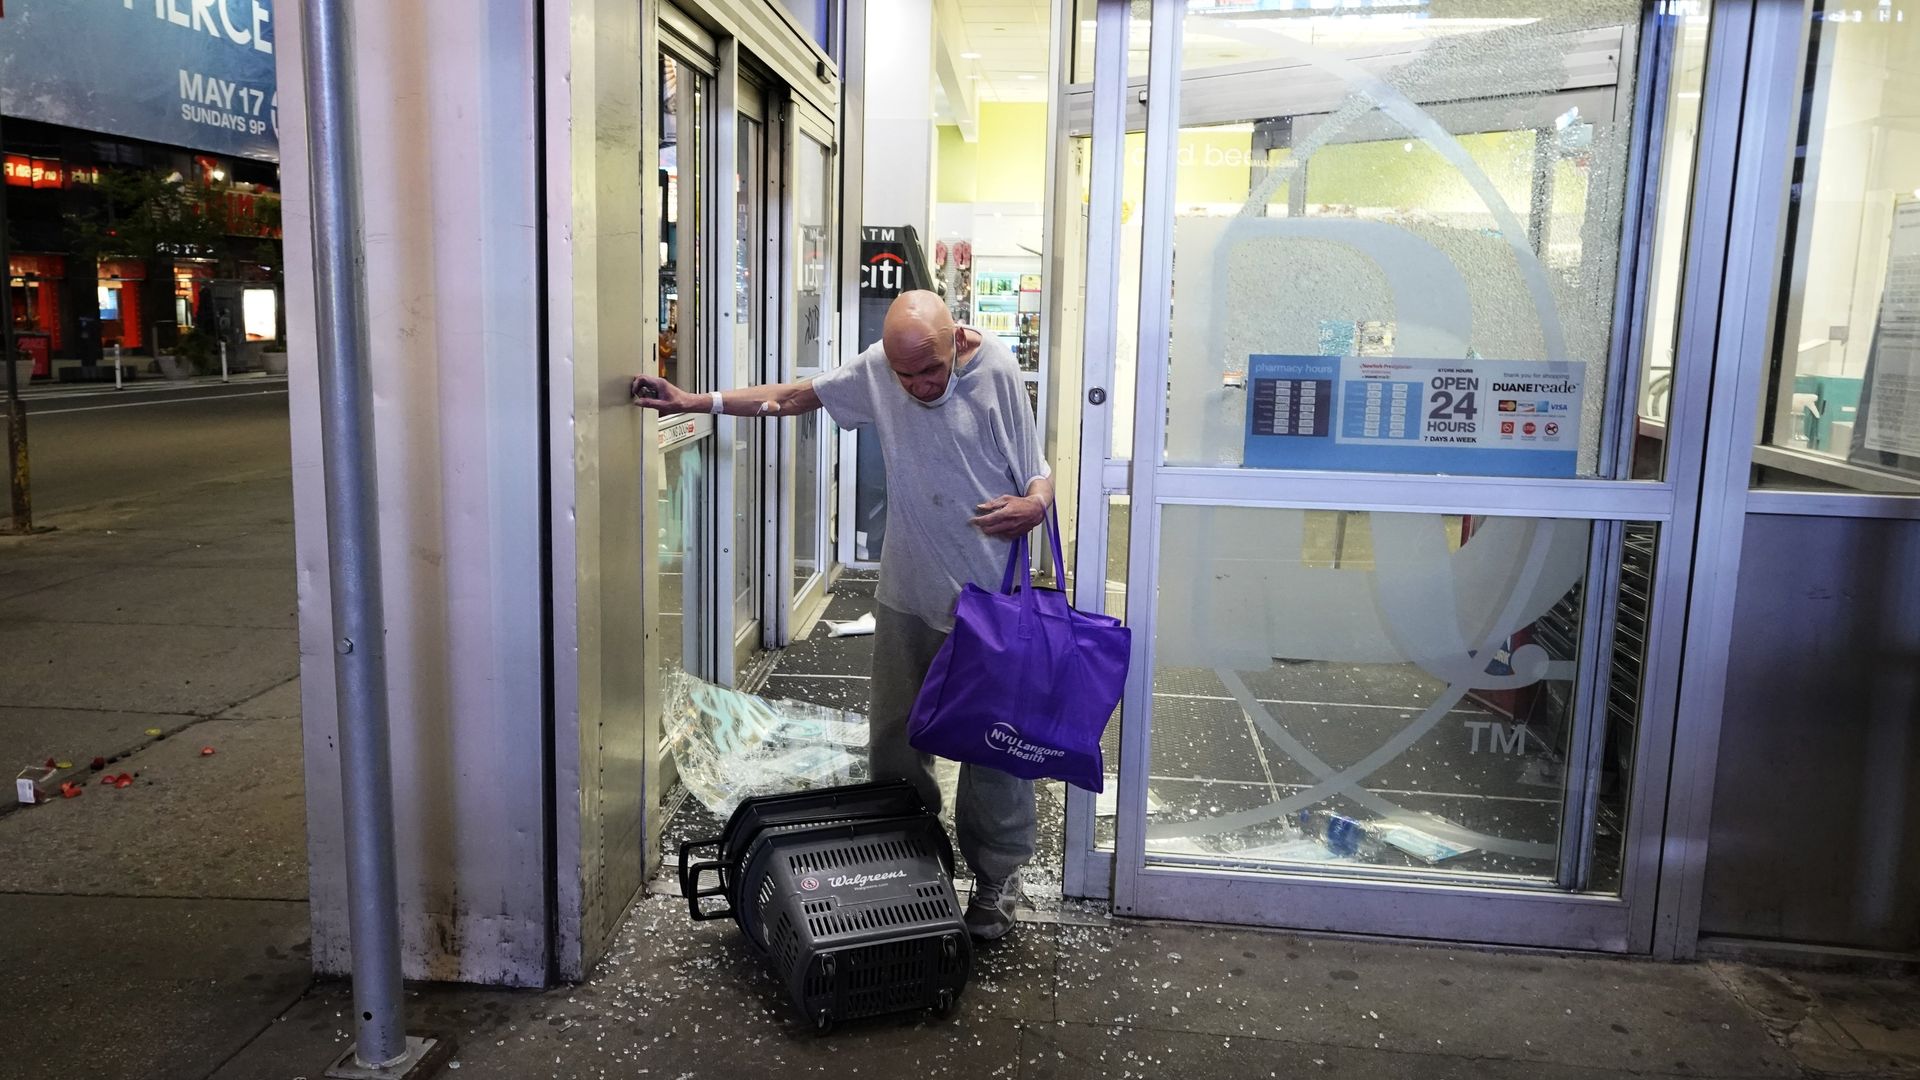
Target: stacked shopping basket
column 848, row 890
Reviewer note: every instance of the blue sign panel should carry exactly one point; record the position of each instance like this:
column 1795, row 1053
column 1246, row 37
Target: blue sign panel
column 1386, row 414
column 1290, row 396
column 192, row 73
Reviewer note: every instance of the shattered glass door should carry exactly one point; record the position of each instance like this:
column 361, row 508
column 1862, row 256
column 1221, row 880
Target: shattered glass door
column 1391, row 572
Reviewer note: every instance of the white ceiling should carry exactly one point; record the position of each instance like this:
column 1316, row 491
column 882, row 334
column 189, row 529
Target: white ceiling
column 1011, row 38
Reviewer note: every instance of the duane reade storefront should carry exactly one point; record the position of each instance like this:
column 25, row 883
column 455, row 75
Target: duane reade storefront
column 1499, row 428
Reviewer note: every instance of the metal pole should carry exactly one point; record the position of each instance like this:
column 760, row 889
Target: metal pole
column 116, row 366
column 223, row 361
column 19, row 488
column 381, row 1046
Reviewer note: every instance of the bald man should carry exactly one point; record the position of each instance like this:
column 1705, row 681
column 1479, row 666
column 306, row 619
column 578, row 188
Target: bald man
column 964, row 477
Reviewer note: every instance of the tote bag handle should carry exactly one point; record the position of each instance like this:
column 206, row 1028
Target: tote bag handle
column 1019, row 557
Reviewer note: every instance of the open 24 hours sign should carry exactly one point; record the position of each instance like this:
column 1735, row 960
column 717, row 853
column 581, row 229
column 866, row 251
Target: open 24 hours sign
column 1470, row 417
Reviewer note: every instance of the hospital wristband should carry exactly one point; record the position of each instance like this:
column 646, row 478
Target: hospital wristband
column 716, row 408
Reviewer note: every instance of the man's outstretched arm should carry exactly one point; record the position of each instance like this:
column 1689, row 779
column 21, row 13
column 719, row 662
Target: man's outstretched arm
column 774, row 399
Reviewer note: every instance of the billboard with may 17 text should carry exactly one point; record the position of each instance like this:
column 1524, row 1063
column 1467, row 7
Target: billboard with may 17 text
column 192, row 73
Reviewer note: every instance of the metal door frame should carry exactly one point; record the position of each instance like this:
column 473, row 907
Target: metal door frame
column 694, row 51
column 789, row 80
column 740, row 98
column 775, row 441
column 1758, row 274
column 1455, row 912
column 798, row 603
column 851, row 172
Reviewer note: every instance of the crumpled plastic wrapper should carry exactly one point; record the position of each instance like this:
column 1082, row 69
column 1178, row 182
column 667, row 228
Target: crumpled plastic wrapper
column 730, row 745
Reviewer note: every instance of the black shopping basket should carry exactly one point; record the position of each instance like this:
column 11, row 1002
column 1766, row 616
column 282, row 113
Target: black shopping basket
column 849, row 891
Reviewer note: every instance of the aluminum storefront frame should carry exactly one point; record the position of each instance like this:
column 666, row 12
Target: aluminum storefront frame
column 705, row 600
column 602, row 76
column 726, row 241
column 819, row 128
column 800, row 85
column 778, row 43
column 1460, row 914
column 797, row 89
column 1088, row 871
column 852, row 158
column 1749, row 305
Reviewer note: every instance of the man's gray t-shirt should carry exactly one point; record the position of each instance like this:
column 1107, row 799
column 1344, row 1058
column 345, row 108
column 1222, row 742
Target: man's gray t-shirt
column 942, row 463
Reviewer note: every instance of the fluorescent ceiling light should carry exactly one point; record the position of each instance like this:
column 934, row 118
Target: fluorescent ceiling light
column 969, row 56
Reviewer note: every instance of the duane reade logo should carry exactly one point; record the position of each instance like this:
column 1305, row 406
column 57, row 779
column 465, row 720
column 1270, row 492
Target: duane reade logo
column 861, row 881
column 1005, row 738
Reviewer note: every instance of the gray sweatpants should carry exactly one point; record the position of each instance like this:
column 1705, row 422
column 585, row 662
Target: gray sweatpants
column 993, row 811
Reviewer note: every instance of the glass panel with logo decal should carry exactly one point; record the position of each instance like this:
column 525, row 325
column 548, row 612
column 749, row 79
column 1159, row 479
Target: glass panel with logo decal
column 1398, row 234
column 1381, row 693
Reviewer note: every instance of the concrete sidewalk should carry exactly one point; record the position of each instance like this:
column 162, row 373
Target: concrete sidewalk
column 153, row 930
column 146, row 618
column 681, row 1001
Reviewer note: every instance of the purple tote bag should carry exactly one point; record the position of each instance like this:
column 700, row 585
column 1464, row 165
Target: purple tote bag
column 1024, row 684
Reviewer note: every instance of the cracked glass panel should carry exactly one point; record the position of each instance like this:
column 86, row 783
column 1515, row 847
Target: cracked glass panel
column 1398, row 235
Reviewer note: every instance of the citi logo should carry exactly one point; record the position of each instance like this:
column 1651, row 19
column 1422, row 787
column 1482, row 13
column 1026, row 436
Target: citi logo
column 884, row 271
column 862, row 880
column 1005, row 738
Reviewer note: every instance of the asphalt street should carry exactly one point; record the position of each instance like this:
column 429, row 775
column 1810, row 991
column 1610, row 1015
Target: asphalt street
column 90, row 447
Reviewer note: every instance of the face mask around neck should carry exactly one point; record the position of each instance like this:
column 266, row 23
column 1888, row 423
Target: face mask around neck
column 953, row 378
